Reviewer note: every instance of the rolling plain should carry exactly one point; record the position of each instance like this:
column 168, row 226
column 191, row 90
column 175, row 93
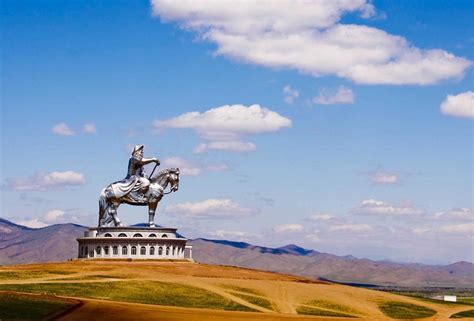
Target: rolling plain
column 152, row 290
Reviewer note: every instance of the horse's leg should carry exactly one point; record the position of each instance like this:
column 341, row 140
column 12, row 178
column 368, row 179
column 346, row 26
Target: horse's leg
column 113, row 214
column 151, row 213
column 102, row 208
column 152, row 204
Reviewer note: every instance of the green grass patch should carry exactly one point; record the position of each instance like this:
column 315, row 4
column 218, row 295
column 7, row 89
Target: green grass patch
column 463, row 314
column 20, row 275
column 241, row 289
column 150, row 292
column 468, row 301
column 331, row 306
column 261, row 302
column 460, row 301
column 321, row 312
column 26, row 307
column 401, row 310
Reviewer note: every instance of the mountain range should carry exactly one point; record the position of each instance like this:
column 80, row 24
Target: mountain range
column 20, row 244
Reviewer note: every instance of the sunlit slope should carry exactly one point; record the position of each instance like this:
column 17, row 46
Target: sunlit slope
column 242, row 292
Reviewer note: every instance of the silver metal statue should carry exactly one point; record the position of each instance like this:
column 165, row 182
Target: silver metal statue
column 137, row 189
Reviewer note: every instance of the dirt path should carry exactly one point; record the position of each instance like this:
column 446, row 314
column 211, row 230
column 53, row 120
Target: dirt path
column 282, row 300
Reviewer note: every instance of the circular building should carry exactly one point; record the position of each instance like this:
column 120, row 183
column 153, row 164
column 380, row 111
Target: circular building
column 133, row 243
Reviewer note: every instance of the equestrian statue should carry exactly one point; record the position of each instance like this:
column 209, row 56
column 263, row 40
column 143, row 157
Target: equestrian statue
column 137, row 189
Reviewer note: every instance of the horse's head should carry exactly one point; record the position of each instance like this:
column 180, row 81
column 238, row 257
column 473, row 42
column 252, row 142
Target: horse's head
column 167, row 176
column 174, row 178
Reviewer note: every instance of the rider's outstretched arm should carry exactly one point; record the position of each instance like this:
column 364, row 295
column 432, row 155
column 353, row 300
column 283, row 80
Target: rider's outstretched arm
column 145, row 161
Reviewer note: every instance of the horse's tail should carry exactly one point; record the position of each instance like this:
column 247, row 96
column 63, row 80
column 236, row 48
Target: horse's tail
column 102, row 206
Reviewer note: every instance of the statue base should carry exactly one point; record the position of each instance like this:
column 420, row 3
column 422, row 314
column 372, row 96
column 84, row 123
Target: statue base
column 144, row 243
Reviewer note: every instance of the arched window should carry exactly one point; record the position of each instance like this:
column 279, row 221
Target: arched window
column 98, row 250
column 173, row 250
column 143, row 250
column 152, row 235
column 108, row 235
column 134, row 250
column 115, row 250
column 137, row 235
column 122, row 235
column 86, row 251
column 160, row 251
column 167, row 251
column 152, row 250
column 164, row 236
column 124, row 250
column 106, row 250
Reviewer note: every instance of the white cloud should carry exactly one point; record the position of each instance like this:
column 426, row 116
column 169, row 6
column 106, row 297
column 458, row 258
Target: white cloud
column 461, row 105
column 421, row 230
column 217, row 167
column 233, row 146
column 34, row 223
column 321, row 217
column 351, row 227
column 62, row 129
column 342, row 95
column 188, row 168
column 224, row 126
column 230, row 234
column 288, row 228
column 53, row 215
column 229, row 122
column 456, row 214
column 89, row 128
column 211, row 209
column 290, row 94
column 375, row 207
column 381, row 177
column 467, row 228
column 306, row 36
column 47, row 181
column 313, row 237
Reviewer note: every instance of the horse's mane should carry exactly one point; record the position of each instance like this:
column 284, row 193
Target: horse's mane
column 164, row 172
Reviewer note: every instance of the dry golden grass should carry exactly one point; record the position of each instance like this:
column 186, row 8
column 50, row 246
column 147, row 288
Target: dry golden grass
column 244, row 287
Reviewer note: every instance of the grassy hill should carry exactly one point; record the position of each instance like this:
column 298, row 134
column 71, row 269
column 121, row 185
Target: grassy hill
column 120, row 290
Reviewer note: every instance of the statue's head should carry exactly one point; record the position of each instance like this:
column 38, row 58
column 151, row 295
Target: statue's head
column 138, row 151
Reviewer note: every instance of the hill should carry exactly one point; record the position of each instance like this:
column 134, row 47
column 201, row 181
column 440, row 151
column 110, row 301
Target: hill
column 144, row 290
column 292, row 259
column 20, row 244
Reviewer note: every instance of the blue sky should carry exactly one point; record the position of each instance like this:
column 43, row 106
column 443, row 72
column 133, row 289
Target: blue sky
column 368, row 150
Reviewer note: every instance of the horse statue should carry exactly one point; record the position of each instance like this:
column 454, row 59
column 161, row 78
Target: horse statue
column 109, row 202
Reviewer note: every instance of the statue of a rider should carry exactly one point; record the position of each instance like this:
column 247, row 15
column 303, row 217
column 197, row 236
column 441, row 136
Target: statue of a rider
column 136, row 183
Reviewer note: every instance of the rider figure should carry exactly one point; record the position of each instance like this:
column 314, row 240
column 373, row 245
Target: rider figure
column 136, row 172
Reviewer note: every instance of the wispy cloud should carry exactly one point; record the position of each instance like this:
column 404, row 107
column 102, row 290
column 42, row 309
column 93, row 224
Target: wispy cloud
column 214, row 208
column 456, row 214
column 288, row 228
column 290, row 94
column 62, row 129
column 89, row 128
column 460, row 105
column 232, row 146
column 46, row 181
column 341, row 95
column 351, row 227
column 188, row 168
column 385, row 178
column 380, row 208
